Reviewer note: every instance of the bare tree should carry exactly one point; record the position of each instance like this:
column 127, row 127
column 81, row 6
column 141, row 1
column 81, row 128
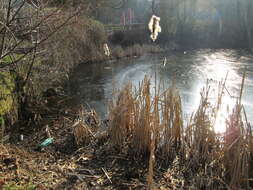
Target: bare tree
column 25, row 28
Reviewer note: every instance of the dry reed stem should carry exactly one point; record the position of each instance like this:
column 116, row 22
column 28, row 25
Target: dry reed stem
column 81, row 133
column 154, row 126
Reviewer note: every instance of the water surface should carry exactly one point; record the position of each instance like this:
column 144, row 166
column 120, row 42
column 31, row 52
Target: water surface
column 93, row 83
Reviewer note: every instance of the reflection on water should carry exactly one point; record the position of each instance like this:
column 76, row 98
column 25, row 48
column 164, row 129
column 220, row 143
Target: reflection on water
column 189, row 70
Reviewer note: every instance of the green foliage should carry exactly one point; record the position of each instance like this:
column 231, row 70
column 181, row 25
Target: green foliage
column 2, row 128
column 13, row 186
column 6, row 88
column 199, row 26
column 11, row 58
column 169, row 19
column 1, row 121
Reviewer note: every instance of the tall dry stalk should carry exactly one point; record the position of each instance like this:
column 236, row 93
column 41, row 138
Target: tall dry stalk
column 136, row 115
column 147, row 125
column 237, row 148
column 151, row 125
column 121, row 118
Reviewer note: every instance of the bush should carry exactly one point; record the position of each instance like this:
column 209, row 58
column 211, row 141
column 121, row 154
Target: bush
column 80, row 41
column 135, row 50
column 151, row 48
column 118, row 52
column 130, row 37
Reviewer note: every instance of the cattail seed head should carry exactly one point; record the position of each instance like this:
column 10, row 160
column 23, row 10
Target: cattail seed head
column 154, row 27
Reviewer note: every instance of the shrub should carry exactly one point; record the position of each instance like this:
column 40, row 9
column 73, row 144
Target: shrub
column 118, row 52
column 130, row 37
column 80, row 41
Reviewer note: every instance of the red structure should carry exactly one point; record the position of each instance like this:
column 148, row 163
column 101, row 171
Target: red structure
column 127, row 17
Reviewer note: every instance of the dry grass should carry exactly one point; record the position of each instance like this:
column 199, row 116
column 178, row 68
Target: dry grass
column 151, row 126
column 146, row 124
column 81, row 133
column 84, row 127
column 135, row 50
column 139, row 119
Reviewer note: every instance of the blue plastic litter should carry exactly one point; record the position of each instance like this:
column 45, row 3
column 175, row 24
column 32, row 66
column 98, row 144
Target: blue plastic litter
column 46, row 142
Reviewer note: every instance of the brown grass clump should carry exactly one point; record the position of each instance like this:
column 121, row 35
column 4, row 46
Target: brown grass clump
column 85, row 126
column 150, row 125
column 137, row 119
column 118, row 52
column 238, row 146
column 238, row 140
column 146, row 124
column 81, row 133
column 120, row 117
column 135, row 50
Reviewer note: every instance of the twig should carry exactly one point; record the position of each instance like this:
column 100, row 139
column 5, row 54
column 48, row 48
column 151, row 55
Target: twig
column 242, row 85
column 118, row 157
column 107, row 175
column 82, row 176
column 48, row 132
column 41, row 41
column 91, row 132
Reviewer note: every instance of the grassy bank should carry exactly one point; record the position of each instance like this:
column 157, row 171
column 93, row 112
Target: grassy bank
column 119, row 52
column 132, row 43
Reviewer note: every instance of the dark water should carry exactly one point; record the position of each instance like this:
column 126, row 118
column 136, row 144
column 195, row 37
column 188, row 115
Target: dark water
column 93, row 83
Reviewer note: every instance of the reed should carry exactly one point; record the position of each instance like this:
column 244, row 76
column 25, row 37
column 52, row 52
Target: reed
column 150, row 125
column 238, row 143
column 85, row 126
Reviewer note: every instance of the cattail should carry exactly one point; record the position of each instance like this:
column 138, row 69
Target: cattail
column 106, row 50
column 21, row 137
column 164, row 61
column 154, row 27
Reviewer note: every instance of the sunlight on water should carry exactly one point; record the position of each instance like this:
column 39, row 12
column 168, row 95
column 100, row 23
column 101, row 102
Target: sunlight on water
column 215, row 68
column 223, row 113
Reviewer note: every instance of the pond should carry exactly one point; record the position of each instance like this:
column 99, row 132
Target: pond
column 189, row 70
